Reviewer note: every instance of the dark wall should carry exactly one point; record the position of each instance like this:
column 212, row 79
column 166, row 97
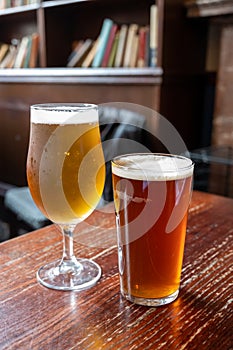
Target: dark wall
column 184, row 83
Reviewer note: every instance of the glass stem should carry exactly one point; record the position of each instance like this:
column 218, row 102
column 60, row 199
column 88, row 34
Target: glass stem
column 68, row 257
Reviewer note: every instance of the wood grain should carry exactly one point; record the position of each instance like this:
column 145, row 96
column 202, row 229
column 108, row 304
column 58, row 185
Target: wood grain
column 34, row 317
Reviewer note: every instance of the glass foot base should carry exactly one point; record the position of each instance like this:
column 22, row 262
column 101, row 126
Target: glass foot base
column 80, row 275
column 153, row 301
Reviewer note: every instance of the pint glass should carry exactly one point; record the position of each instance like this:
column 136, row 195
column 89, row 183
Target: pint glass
column 152, row 195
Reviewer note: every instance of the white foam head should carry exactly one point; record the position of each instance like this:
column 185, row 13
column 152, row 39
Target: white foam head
column 66, row 113
column 151, row 167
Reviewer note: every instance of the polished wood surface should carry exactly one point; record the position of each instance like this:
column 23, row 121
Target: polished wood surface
column 34, row 317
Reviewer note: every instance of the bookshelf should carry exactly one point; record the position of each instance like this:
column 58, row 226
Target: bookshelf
column 59, row 23
column 173, row 87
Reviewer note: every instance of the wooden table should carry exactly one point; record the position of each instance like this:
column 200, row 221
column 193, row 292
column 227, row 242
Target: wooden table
column 34, row 317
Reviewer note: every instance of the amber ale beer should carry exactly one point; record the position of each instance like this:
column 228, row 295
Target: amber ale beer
column 151, row 195
column 65, row 165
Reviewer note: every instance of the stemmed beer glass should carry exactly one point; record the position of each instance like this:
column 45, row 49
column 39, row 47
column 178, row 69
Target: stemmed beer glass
column 66, row 175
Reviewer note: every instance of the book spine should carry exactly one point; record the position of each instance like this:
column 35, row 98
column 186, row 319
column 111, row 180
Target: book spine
column 34, row 50
column 85, row 49
column 75, row 48
column 7, row 3
column 28, row 52
column 109, row 46
column 8, row 57
column 11, row 61
column 153, row 35
column 79, row 52
column 2, row 4
column 121, row 46
column 21, row 52
column 147, row 46
column 104, row 34
column 90, row 56
column 113, row 51
column 134, row 53
column 141, row 47
column 3, row 51
column 129, row 44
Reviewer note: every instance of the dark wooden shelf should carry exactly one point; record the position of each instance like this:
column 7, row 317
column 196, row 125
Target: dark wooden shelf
column 57, row 3
column 83, row 75
column 19, row 9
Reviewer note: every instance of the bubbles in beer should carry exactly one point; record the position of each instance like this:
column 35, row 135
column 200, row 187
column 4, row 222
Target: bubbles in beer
column 151, row 194
column 67, row 184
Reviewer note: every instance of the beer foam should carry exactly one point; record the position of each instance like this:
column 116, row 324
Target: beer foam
column 64, row 114
column 151, row 167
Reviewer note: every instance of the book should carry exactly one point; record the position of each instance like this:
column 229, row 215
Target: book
column 153, row 35
column 90, row 56
column 22, row 48
column 75, row 47
column 81, row 52
column 86, row 49
column 129, row 44
column 121, row 46
column 3, row 50
column 11, row 59
column 5, row 4
column 109, row 45
column 113, row 51
column 141, row 58
column 28, row 53
column 34, row 50
column 147, row 46
column 10, row 55
column 134, row 51
column 17, row 3
column 2, row 4
column 103, row 39
column 29, row 2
